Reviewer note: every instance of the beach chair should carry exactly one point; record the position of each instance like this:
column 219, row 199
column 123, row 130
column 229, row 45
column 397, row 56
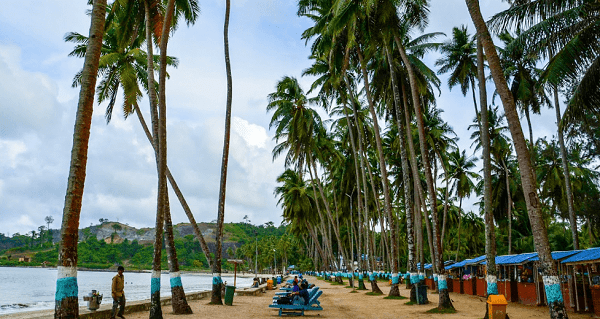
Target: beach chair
column 298, row 307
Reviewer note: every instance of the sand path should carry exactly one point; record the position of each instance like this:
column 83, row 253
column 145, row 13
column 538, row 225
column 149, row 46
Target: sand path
column 338, row 302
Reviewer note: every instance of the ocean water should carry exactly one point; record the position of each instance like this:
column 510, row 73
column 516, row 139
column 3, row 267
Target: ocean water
column 30, row 289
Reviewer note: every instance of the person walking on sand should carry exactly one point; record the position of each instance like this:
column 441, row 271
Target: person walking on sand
column 118, row 294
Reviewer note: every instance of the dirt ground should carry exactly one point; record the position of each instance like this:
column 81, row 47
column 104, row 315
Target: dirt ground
column 338, row 302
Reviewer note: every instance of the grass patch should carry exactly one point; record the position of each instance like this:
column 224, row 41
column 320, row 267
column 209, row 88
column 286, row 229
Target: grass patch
column 337, row 283
column 444, row 310
column 319, row 278
column 348, row 287
column 395, row 297
column 410, row 303
column 370, row 293
column 354, row 292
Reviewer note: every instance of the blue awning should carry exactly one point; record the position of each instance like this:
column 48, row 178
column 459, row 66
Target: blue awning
column 558, row 255
column 583, row 256
column 475, row 261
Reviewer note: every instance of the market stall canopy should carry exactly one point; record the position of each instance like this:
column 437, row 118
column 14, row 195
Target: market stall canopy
column 587, row 256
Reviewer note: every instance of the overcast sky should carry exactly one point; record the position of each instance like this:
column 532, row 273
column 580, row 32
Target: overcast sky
column 37, row 111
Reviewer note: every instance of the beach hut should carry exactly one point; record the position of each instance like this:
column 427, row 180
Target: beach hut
column 583, row 281
column 454, row 279
column 516, row 278
column 472, row 274
column 557, row 256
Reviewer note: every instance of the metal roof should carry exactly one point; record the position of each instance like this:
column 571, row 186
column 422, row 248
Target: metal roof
column 559, row 255
column 585, row 255
column 466, row 262
column 516, row 259
column 475, row 261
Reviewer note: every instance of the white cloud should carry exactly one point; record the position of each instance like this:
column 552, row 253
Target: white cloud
column 38, row 108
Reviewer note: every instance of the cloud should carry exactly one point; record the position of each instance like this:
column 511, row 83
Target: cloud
column 28, row 98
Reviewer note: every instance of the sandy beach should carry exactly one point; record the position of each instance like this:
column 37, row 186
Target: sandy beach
column 338, row 302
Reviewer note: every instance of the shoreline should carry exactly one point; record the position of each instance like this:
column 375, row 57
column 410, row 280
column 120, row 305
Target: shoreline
column 163, row 271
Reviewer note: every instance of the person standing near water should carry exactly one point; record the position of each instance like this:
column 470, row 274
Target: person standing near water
column 118, row 295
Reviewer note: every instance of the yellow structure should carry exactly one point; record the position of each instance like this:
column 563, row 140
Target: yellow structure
column 497, row 306
column 270, row 284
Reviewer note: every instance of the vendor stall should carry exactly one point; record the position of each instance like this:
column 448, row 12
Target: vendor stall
column 583, row 269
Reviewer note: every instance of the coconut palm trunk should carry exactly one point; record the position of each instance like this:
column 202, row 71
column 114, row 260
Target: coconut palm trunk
column 382, row 164
column 549, row 272
column 178, row 300
column 177, row 191
column 459, row 224
column 444, row 297
column 216, row 266
column 413, row 277
column 153, row 138
column 155, row 307
column 510, row 204
column 362, row 210
column 490, row 230
column 566, row 173
column 67, row 291
column 327, row 206
column 446, row 200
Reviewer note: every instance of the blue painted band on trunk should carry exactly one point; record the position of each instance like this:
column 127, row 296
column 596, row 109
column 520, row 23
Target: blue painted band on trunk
column 553, row 293
column 421, row 277
column 154, row 285
column 217, row 280
column 492, row 288
column 435, row 278
column 414, row 279
column 66, row 287
column 407, row 276
column 176, row 282
column 372, row 277
column 360, row 277
column 395, row 280
column 442, row 284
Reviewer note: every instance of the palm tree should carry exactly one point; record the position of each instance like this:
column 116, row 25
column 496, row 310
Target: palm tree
column 216, row 267
column 155, row 308
column 67, row 302
column 444, row 298
column 295, row 125
column 460, row 166
column 460, row 59
column 548, row 268
column 521, row 70
column 297, row 203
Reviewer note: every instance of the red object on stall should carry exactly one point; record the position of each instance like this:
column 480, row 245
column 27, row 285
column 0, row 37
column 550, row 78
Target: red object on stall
column 527, row 293
column 482, row 287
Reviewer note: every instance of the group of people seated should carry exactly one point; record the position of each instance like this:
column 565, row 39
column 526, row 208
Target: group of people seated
column 299, row 288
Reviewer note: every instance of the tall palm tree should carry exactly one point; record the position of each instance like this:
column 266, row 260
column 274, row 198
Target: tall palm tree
column 460, row 166
column 216, row 266
column 155, row 308
column 547, row 266
column 520, row 69
column 413, row 13
column 459, row 57
column 67, row 302
column 295, row 123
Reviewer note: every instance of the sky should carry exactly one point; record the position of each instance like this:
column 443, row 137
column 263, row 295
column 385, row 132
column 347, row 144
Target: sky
column 38, row 105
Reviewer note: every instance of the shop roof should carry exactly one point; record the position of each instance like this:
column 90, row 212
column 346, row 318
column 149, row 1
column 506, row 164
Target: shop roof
column 584, row 256
column 558, row 255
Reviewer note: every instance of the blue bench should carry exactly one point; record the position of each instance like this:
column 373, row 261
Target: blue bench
column 298, row 307
column 311, row 292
